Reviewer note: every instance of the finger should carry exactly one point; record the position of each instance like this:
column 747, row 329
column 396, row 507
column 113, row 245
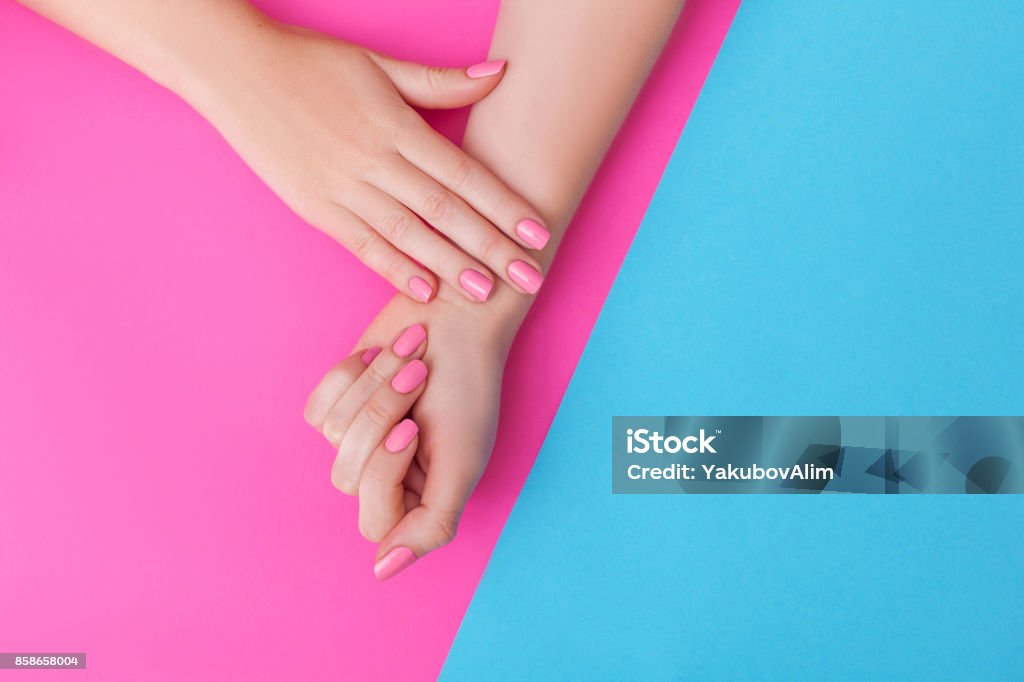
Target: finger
column 385, row 408
column 411, row 343
column 434, row 522
column 382, row 257
column 403, row 228
column 444, row 161
column 381, row 487
column 451, row 216
column 436, row 87
column 415, row 478
column 337, row 380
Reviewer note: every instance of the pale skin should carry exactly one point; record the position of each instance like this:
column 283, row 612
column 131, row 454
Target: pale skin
column 542, row 124
column 330, row 127
column 545, row 130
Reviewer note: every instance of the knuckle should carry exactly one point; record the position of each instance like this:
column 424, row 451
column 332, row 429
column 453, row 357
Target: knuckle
column 460, row 173
column 310, row 413
column 375, row 477
column 377, row 412
column 376, row 374
column 491, row 247
column 445, row 528
column 504, row 210
column 374, row 166
column 333, row 435
column 342, row 482
column 310, row 204
column 390, row 269
column 368, row 531
column 436, row 76
column 362, row 243
column 407, row 127
column 395, row 227
column 334, row 429
column 438, row 205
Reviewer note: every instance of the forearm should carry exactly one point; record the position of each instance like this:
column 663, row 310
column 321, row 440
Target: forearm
column 575, row 67
column 185, row 45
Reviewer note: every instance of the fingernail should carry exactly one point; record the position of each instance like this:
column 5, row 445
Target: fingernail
column 393, row 563
column 533, row 233
column 369, row 354
column 420, row 289
column 409, row 341
column 485, row 69
column 409, row 377
column 525, row 276
column 401, row 436
column 478, row 286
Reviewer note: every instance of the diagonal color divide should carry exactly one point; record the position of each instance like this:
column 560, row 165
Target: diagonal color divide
column 163, row 506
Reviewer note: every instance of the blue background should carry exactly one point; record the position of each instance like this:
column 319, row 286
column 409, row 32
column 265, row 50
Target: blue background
column 839, row 232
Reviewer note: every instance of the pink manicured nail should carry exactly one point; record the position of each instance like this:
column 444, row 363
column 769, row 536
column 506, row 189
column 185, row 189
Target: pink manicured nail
column 409, row 341
column 409, row 377
column 533, row 233
column 401, row 435
column 369, row 354
column 485, row 69
column 525, row 276
column 393, row 563
column 420, row 289
column 478, row 286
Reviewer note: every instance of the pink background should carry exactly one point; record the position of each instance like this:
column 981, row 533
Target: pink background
column 163, row 507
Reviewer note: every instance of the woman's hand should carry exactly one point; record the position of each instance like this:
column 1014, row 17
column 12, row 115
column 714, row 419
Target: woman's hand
column 330, row 127
column 413, row 476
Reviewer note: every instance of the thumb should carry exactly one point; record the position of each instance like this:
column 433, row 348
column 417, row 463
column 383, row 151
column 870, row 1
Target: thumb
column 438, row 87
column 433, row 523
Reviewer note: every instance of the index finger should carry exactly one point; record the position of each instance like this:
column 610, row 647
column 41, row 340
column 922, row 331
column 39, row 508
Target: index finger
column 439, row 158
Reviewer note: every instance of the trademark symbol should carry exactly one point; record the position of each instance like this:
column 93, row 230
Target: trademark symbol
column 718, row 431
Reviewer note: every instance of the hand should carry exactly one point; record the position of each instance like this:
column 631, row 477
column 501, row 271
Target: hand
column 330, row 127
column 413, row 486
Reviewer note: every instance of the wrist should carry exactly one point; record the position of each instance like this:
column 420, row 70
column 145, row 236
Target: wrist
column 504, row 313
column 213, row 58
column 496, row 321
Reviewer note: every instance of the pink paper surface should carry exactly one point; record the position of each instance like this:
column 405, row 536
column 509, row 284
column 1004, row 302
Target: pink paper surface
column 163, row 506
